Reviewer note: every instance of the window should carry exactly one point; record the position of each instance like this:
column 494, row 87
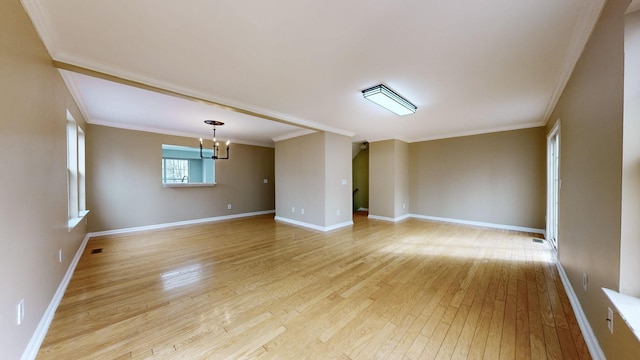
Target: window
column 175, row 171
column 76, row 191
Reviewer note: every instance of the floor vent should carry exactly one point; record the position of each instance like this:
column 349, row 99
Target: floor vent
column 538, row 241
column 96, row 251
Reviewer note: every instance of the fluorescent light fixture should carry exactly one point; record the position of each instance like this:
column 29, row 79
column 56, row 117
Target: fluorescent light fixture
column 389, row 100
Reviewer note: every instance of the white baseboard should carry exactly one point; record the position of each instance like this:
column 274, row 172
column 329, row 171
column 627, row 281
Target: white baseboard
column 363, row 209
column 179, row 223
column 479, row 223
column 313, row 226
column 587, row 332
column 41, row 331
column 385, row 218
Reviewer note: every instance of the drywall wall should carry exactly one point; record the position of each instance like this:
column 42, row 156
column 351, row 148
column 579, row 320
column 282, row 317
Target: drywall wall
column 630, row 241
column 124, row 182
column 382, row 179
column 360, row 168
column 591, row 123
column 389, row 179
column 300, row 179
column 338, row 196
column 496, row 178
column 33, row 210
column 310, row 171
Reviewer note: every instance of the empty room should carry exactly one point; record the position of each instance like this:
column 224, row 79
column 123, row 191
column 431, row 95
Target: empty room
column 308, row 180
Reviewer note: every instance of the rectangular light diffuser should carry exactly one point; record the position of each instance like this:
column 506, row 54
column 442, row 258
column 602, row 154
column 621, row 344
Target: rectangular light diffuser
column 389, row 100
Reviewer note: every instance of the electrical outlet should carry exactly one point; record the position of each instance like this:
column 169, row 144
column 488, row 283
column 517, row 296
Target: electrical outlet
column 20, row 309
column 302, row 211
column 293, row 209
column 59, row 255
column 344, row 181
column 610, row 319
column 265, row 181
column 585, row 281
column 229, row 206
column 404, row 206
column 338, row 212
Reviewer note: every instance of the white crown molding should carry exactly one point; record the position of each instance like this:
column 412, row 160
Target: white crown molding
column 581, row 33
column 292, row 135
column 44, row 28
column 151, row 129
column 528, row 125
column 75, row 93
column 222, row 102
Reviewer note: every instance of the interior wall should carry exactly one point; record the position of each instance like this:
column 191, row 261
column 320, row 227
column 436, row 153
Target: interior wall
column 630, row 243
column 33, row 209
column 496, row 178
column 360, row 165
column 382, row 179
column 338, row 198
column 401, row 183
column 591, row 114
column 124, row 182
column 300, row 178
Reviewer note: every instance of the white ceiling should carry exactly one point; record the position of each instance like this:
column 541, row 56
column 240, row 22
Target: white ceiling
column 486, row 66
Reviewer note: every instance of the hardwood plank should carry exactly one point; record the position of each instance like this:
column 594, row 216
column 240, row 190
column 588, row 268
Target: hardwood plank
column 254, row 288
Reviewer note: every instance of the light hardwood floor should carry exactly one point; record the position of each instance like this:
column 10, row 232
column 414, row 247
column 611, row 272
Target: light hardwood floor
column 254, row 288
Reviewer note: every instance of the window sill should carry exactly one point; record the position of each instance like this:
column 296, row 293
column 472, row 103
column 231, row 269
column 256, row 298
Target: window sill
column 178, row 185
column 628, row 307
column 72, row 223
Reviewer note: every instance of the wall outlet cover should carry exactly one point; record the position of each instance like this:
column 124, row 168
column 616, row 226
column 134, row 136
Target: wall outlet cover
column 610, row 319
column 229, row 206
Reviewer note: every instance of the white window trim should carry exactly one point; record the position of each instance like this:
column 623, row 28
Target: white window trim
column 76, row 188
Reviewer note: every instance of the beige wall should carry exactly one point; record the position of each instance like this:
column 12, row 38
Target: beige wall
column 495, row 178
column 338, row 196
column 300, row 178
column 401, row 183
column 33, row 209
column 125, row 188
column 630, row 243
column 382, row 178
column 360, row 168
column 389, row 179
column 591, row 114
column 309, row 174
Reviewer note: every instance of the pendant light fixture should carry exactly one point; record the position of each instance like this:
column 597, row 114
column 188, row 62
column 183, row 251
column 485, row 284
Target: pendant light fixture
column 215, row 156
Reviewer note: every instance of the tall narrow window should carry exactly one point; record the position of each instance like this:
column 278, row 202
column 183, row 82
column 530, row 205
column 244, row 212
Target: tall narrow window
column 76, row 190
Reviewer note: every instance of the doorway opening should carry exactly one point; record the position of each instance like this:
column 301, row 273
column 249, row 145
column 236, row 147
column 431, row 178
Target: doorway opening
column 553, row 184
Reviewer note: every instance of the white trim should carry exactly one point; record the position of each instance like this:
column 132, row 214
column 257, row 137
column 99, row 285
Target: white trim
column 589, row 337
column 581, row 33
column 294, row 134
column 479, row 223
column 178, row 223
column 119, row 72
column 313, row 226
column 363, row 209
column 455, row 134
column 73, row 222
column 41, row 331
column 628, row 307
column 385, row 218
column 179, row 185
column 151, row 129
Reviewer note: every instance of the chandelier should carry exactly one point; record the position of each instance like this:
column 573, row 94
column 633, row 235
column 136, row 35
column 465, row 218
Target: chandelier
column 215, row 156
